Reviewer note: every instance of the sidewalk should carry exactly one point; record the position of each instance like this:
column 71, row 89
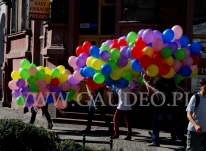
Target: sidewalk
column 99, row 137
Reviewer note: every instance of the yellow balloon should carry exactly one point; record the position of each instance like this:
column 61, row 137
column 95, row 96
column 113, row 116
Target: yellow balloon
column 77, row 96
column 97, row 63
column 89, row 61
column 152, row 70
column 47, row 78
column 148, row 51
column 61, row 68
column 15, row 75
column 63, row 77
column 116, row 74
column 170, row 74
column 134, row 72
column 48, row 70
column 128, row 66
column 40, row 68
column 194, row 73
column 168, row 60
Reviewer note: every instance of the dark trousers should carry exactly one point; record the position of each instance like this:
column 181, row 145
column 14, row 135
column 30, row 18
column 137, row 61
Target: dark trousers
column 118, row 114
column 45, row 112
column 101, row 110
column 159, row 113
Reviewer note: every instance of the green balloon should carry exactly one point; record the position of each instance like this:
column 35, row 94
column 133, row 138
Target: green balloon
column 24, row 73
column 40, row 74
column 55, row 73
column 104, row 47
column 140, row 80
column 128, row 75
column 112, row 63
column 131, row 36
column 25, row 64
column 178, row 79
column 166, row 52
column 180, row 54
column 71, row 94
column 99, row 78
column 131, row 44
column 33, row 88
column 115, row 54
column 32, row 65
column 20, row 101
column 31, row 80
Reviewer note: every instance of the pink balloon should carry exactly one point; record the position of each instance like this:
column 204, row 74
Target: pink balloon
column 187, row 61
column 177, row 31
column 76, row 88
column 12, row 85
column 41, row 84
column 176, row 65
column 44, row 92
column 193, row 67
column 61, row 104
column 67, row 71
column 72, row 61
column 32, row 71
column 77, row 75
column 39, row 100
column 157, row 44
column 65, row 86
column 187, row 51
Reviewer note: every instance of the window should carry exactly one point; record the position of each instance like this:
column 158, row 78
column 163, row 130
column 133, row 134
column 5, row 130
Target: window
column 24, row 10
column 14, row 16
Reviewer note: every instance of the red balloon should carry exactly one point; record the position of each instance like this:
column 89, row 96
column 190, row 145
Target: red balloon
column 115, row 45
column 140, row 43
column 115, row 40
column 164, row 69
column 196, row 59
column 145, row 61
column 79, row 50
column 122, row 42
column 157, row 59
column 92, row 85
column 86, row 46
column 55, row 82
column 136, row 52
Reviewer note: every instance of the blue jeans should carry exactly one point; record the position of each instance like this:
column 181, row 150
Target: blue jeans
column 101, row 110
column 159, row 113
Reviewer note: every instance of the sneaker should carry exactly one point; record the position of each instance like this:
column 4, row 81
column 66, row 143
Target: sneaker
column 128, row 138
column 115, row 137
column 153, row 144
column 50, row 125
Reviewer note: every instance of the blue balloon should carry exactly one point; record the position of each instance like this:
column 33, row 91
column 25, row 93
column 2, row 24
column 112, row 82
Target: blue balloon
column 185, row 71
column 195, row 47
column 94, row 51
column 81, row 72
column 184, row 40
column 128, row 52
column 108, row 81
column 49, row 99
column 121, row 83
column 136, row 66
column 149, row 44
column 88, row 71
column 64, row 95
column 168, row 35
column 106, row 69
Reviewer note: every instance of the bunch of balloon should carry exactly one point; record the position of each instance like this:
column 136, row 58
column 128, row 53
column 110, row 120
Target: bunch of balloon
column 36, row 86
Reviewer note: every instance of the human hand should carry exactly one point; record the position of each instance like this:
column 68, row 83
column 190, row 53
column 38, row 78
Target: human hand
column 198, row 129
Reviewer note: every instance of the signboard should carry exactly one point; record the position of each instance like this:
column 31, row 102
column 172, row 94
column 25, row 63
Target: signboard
column 199, row 29
column 39, row 10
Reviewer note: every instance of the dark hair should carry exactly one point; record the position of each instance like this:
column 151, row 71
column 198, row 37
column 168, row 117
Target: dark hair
column 203, row 81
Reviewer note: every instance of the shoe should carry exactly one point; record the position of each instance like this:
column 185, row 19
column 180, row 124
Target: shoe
column 153, row 144
column 86, row 130
column 128, row 138
column 115, row 137
column 150, row 133
column 50, row 125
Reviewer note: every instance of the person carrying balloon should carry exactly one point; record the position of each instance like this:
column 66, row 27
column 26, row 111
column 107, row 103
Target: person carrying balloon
column 123, row 108
column 96, row 92
column 163, row 90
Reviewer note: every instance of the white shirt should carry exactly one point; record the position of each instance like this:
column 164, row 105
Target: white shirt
column 124, row 99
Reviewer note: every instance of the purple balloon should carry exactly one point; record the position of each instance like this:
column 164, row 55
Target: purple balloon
column 72, row 80
column 24, row 91
column 157, row 34
column 104, row 55
column 123, row 51
column 173, row 46
column 20, row 83
column 178, row 42
column 49, row 87
column 15, row 93
column 57, row 90
column 84, row 55
column 123, row 37
column 148, row 36
column 30, row 101
column 108, row 42
column 80, row 61
column 122, row 61
column 140, row 33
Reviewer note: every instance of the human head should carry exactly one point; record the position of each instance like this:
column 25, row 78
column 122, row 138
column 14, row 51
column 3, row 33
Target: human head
column 202, row 82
